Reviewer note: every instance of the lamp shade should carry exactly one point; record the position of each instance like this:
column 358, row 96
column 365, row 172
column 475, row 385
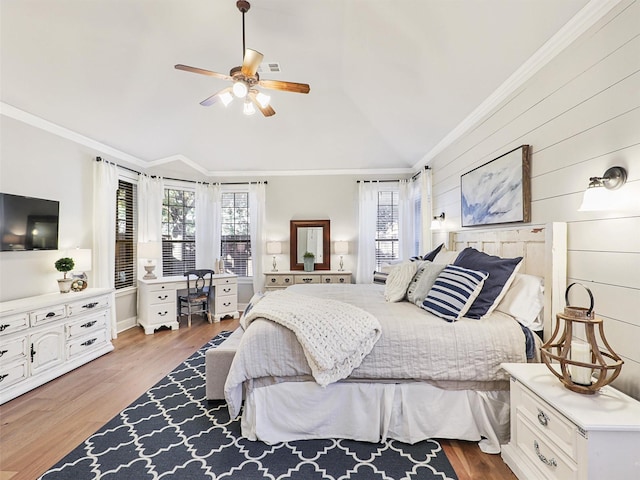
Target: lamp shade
column 274, row 248
column 341, row 247
column 149, row 250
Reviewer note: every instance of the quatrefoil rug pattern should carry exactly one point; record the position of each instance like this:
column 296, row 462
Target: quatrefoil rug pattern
column 172, row 431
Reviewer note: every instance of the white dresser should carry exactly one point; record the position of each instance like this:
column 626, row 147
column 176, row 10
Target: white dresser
column 158, row 300
column 284, row 279
column 563, row 435
column 46, row 336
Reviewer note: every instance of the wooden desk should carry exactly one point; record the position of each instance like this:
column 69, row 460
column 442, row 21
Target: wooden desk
column 158, row 300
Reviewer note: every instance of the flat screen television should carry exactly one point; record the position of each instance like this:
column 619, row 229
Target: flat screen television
column 28, row 223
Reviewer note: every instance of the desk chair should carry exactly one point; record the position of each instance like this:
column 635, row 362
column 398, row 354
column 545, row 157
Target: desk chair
column 196, row 300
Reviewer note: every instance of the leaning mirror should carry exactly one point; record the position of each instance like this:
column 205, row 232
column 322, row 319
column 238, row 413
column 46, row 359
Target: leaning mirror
column 310, row 236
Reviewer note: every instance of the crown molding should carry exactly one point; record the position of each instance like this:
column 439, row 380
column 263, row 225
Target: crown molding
column 580, row 23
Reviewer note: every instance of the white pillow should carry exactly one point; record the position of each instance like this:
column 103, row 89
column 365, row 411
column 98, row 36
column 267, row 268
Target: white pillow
column 524, row 300
column 398, row 281
column 423, row 280
column 446, row 257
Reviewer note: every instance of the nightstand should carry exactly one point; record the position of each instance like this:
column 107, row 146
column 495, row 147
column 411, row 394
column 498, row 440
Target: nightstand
column 280, row 280
column 563, row 435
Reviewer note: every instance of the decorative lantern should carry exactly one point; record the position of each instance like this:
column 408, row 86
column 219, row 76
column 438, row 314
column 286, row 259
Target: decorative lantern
column 578, row 360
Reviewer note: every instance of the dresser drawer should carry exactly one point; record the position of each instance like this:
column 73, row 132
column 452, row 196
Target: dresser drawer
column 88, row 305
column 13, row 323
column 548, row 422
column 38, row 317
column 160, row 297
column 278, row 280
column 226, row 304
column 226, row 289
column 86, row 325
column 13, row 349
column 162, row 313
column 87, row 343
column 336, row 278
column 225, row 281
column 546, row 457
column 13, row 372
column 307, row 279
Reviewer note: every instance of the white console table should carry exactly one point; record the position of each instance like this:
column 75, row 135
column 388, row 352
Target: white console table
column 286, row 278
column 46, row 336
column 158, row 300
column 563, row 435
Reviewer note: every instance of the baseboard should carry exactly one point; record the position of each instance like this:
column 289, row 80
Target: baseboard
column 126, row 324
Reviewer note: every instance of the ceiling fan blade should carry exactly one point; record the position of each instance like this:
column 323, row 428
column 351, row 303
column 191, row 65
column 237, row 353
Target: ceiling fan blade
column 251, row 62
column 207, row 102
column 285, row 86
column 202, row 71
column 266, row 111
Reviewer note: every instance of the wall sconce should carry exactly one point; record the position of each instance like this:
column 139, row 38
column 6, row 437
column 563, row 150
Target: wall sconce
column 341, row 248
column 150, row 251
column 437, row 222
column 274, row 248
column 598, row 198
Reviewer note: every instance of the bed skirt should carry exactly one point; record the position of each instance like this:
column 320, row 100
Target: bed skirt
column 371, row 412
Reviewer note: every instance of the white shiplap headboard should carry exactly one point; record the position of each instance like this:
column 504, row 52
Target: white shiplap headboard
column 544, row 252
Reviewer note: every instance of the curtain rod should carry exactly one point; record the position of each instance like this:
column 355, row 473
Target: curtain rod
column 415, row 175
column 99, row 159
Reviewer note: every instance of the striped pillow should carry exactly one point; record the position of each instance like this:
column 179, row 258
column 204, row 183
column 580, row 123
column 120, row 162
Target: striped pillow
column 380, row 277
column 453, row 292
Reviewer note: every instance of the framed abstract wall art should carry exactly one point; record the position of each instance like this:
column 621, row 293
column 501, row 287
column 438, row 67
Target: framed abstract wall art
column 498, row 191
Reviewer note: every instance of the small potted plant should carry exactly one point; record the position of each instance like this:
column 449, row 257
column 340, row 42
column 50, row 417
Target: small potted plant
column 309, row 261
column 64, row 265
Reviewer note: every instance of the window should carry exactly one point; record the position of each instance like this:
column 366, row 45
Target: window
column 387, row 227
column 178, row 232
column 236, row 241
column 125, row 271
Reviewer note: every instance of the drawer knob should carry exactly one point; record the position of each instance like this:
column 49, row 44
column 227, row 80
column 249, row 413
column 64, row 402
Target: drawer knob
column 5, row 326
column 547, row 461
column 162, row 314
column 50, row 314
column 226, row 304
column 273, row 280
column 286, row 280
column 89, row 342
column 327, row 280
column 89, row 324
column 90, row 305
column 543, row 418
column 163, row 297
column 342, row 280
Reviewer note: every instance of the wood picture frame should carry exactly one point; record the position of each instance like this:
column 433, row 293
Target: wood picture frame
column 323, row 257
column 498, row 191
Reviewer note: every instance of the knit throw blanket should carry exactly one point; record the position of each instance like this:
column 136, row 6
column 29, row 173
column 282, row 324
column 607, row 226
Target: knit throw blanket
column 334, row 335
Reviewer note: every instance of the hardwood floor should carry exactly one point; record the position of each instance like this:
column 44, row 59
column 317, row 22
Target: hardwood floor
column 40, row 427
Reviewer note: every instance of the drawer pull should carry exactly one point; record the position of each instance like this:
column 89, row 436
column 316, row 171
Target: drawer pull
column 89, row 324
column 307, row 280
column 327, row 280
column 2, row 352
column 286, row 280
column 90, row 305
column 162, row 314
column 226, row 290
column 2, row 377
column 550, row 462
column 163, row 297
column 226, row 304
column 273, row 280
column 50, row 314
column 342, row 280
column 543, row 418
column 4, row 327
column 89, row 342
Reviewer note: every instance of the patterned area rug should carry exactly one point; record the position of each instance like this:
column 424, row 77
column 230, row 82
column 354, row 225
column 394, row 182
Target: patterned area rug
column 172, row 431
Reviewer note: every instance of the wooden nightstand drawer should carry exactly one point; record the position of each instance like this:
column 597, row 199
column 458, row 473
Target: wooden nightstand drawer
column 279, row 280
column 548, row 422
column 302, row 279
column 13, row 323
column 336, row 278
column 543, row 454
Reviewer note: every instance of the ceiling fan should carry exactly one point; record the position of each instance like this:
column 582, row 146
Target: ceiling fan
column 246, row 80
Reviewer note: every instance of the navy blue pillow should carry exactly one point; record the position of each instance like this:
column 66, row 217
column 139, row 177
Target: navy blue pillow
column 501, row 272
column 428, row 256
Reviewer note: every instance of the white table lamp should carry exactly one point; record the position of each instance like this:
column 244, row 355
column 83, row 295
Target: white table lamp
column 150, row 251
column 341, row 248
column 274, row 248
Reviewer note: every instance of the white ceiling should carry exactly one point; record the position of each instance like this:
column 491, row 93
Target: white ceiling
column 389, row 79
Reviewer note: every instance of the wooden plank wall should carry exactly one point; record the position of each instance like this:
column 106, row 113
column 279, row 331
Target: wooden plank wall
column 581, row 115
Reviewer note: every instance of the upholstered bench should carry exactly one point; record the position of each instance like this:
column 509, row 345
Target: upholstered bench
column 217, row 363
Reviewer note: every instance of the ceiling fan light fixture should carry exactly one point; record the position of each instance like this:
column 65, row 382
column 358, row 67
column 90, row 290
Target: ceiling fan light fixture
column 226, row 98
column 263, row 99
column 240, row 89
column 248, row 108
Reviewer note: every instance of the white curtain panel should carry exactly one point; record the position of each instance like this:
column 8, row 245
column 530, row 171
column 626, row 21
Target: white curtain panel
column 257, row 200
column 105, row 188
column 150, row 195
column 406, row 226
column 208, row 224
column 426, row 242
column 367, row 218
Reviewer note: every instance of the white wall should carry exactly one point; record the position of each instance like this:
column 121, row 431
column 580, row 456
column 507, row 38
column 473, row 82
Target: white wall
column 580, row 114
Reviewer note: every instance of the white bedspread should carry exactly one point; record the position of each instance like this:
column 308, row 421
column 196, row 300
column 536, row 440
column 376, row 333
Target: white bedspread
column 413, row 345
column 334, row 336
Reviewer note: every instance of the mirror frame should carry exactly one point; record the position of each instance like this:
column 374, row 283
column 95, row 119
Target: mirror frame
column 326, row 246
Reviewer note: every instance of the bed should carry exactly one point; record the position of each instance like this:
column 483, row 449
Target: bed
column 410, row 375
